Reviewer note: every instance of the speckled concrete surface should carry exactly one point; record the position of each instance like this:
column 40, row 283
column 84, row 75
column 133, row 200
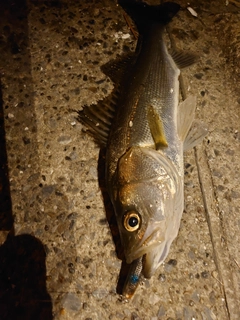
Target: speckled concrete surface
column 59, row 260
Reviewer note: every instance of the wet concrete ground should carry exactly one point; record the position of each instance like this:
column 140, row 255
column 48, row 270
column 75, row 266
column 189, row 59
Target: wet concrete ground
column 58, row 257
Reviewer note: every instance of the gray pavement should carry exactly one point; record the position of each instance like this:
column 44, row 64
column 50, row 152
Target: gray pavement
column 59, row 260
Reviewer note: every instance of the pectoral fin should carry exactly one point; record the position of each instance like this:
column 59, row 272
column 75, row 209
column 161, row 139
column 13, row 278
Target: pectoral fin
column 186, row 111
column 156, row 128
column 195, row 135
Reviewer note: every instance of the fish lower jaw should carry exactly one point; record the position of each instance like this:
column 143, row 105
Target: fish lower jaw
column 143, row 251
column 148, row 269
column 152, row 257
column 152, row 239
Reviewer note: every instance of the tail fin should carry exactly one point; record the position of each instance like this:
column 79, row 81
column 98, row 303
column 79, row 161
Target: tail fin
column 144, row 14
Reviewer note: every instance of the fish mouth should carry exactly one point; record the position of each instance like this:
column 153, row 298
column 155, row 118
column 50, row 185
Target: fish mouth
column 151, row 240
column 144, row 266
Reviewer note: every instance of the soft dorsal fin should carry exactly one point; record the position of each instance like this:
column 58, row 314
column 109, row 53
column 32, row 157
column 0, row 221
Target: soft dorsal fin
column 156, row 128
column 183, row 59
column 195, row 135
column 186, row 111
column 118, row 68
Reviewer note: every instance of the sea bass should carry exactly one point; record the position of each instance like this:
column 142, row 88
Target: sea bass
column 145, row 131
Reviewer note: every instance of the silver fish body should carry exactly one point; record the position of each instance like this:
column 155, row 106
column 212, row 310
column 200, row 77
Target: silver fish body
column 144, row 154
column 152, row 84
column 143, row 179
column 140, row 178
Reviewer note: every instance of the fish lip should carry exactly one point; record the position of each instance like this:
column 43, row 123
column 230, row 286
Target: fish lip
column 143, row 247
column 137, row 254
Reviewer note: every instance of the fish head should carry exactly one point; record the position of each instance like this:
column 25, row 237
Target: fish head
column 144, row 198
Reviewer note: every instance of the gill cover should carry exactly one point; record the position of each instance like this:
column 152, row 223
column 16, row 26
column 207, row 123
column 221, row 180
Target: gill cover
column 144, row 197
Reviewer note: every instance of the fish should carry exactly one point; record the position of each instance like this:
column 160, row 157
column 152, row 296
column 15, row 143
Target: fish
column 145, row 130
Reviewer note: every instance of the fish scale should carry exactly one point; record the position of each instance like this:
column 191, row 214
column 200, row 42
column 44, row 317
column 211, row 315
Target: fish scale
column 161, row 77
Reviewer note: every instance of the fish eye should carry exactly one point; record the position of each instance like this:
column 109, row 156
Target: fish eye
column 131, row 221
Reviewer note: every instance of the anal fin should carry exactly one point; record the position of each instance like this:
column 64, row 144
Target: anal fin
column 190, row 131
column 183, row 59
column 195, row 135
column 186, row 112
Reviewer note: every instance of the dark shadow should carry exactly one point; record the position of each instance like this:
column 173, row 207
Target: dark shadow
column 6, row 218
column 112, row 222
column 23, row 293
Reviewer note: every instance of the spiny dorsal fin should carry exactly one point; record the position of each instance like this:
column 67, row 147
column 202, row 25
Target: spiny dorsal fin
column 156, row 128
column 98, row 118
column 183, row 59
